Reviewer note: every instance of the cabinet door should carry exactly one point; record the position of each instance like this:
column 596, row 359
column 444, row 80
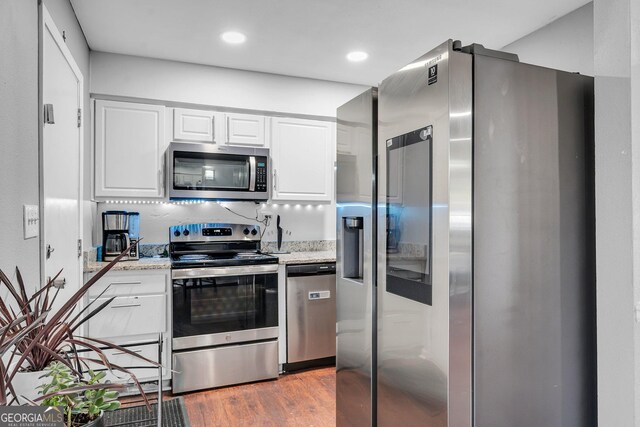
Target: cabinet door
column 303, row 155
column 193, row 125
column 129, row 148
column 245, row 129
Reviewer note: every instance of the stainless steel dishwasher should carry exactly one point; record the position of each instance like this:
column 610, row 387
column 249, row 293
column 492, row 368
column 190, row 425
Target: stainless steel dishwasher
column 311, row 314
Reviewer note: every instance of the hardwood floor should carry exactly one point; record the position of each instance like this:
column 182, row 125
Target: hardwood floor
column 306, row 398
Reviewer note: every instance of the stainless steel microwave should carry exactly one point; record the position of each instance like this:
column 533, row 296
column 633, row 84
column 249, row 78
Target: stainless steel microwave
column 209, row 171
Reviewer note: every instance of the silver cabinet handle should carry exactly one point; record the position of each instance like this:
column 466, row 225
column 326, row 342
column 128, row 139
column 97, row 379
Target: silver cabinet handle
column 126, row 305
column 275, row 179
column 127, row 283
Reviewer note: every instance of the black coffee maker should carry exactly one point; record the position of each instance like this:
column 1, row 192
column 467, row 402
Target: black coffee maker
column 116, row 235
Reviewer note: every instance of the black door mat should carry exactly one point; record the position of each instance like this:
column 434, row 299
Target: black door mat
column 174, row 414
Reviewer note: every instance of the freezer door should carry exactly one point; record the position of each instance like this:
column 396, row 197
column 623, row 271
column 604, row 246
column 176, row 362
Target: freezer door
column 355, row 259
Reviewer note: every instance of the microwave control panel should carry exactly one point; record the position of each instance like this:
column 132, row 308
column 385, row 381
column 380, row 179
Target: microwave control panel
column 261, row 174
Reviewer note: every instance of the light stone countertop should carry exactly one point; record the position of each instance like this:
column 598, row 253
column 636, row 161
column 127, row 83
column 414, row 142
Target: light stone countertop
column 165, row 263
column 142, row 264
column 307, row 257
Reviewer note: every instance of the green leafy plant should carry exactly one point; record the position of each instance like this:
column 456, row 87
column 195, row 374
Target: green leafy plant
column 83, row 399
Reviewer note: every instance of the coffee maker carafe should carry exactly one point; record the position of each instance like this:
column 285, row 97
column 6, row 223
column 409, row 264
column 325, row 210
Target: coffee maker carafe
column 116, row 235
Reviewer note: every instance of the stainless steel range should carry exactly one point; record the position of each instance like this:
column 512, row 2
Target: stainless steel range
column 225, row 306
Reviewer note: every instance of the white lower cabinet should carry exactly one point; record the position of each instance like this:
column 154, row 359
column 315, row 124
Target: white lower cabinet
column 302, row 153
column 140, row 311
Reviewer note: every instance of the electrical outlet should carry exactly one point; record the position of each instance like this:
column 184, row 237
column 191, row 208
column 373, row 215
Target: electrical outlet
column 266, row 211
column 31, row 219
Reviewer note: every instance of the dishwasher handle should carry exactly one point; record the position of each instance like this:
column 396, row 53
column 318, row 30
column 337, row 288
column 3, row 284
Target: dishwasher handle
column 311, row 269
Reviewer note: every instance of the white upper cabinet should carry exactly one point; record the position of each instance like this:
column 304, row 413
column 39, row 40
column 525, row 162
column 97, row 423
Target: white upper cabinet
column 246, row 130
column 195, row 125
column 129, row 150
column 302, row 153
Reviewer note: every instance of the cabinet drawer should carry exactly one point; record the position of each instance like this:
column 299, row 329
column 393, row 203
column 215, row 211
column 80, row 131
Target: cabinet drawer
column 126, row 316
column 126, row 283
column 142, row 371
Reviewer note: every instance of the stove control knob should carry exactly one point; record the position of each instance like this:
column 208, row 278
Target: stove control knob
column 185, row 233
column 254, row 232
column 246, row 231
column 176, row 233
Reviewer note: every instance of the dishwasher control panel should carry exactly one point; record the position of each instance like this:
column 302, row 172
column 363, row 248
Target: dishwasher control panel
column 319, row 295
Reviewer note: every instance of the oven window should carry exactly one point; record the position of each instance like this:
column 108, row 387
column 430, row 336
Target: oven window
column 224, row 304
column 206, row 171
column 409, row 215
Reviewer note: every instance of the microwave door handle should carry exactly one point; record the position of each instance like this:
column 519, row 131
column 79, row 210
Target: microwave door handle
column 252, row 173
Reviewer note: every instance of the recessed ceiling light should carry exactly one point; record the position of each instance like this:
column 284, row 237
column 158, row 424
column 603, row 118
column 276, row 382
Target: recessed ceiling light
column 233, row 37
column 357, row 56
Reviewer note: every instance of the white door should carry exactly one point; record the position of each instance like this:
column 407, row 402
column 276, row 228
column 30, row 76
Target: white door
column 61, row 162
column 303, row 153
column 129, row 150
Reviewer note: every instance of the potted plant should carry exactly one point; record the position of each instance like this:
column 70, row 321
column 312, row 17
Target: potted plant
column 84, row 401
column 11, row 334
column 47, row 337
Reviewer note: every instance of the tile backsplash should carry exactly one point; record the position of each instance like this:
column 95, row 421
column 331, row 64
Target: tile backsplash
column 148, row 250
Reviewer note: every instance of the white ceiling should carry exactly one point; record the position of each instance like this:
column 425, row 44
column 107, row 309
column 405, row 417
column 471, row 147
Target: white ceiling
column 308, row 38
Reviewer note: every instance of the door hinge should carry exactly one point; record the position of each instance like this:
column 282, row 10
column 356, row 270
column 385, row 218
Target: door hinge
column 79, row 248
column 79, row 117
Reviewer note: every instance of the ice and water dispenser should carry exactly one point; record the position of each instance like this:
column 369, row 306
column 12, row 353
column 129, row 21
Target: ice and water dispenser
column 353, row 247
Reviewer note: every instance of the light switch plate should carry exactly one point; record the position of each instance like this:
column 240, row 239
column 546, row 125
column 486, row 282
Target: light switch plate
column 31, row 219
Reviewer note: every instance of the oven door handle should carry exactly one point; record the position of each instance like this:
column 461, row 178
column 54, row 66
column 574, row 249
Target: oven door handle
column 241, row 270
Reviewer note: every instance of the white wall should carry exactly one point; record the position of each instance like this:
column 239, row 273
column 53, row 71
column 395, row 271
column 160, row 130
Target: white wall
column 18, row 134
column 565, row 44
column 617, row 163
column 132, row 76
column 19, row 122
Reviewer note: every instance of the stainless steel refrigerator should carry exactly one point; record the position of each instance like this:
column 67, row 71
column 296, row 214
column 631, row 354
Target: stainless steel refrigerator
column 465, row 240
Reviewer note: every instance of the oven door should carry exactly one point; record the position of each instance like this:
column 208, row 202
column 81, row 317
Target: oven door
column 224, row 305
column 199, row 171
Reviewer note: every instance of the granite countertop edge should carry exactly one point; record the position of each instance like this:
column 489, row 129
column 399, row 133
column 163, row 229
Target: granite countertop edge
column 306, row 257
column 142, row 264
column 165, row 263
